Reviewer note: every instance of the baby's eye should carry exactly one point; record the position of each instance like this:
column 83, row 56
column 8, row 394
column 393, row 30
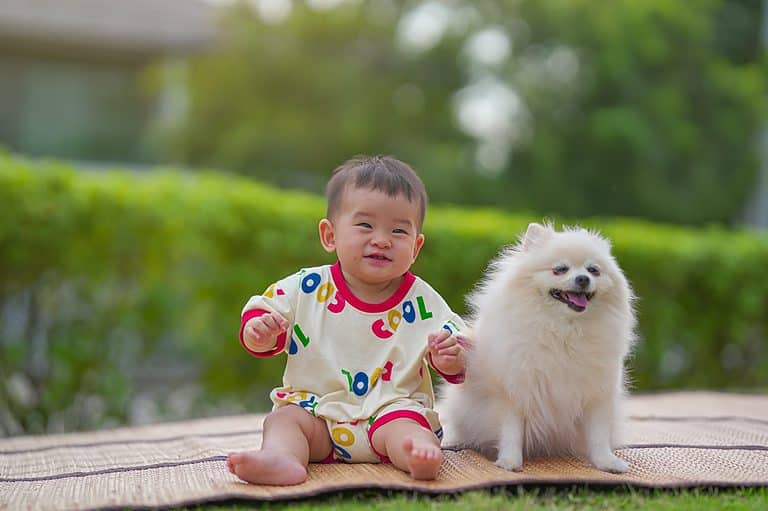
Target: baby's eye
column 400, row 231
column 594, row 270
column 560, row 269
column 364, row 225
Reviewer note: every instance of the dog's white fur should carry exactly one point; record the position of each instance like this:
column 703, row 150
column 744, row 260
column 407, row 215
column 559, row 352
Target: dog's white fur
column 543, row 379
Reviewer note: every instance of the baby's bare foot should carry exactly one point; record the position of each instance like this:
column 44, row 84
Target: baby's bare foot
column 424, row 458
column 266, row 467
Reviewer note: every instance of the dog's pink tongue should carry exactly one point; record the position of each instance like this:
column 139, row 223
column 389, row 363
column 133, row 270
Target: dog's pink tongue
column 577, row 299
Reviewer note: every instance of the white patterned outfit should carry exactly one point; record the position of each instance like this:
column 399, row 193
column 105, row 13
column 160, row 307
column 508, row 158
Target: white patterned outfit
column 355, row 364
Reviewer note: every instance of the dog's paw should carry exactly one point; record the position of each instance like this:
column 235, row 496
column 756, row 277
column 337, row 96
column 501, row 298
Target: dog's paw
column 610, row 463
column 511, row 463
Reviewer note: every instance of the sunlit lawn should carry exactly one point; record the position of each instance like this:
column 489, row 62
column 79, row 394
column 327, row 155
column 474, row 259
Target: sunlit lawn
column 531, row 498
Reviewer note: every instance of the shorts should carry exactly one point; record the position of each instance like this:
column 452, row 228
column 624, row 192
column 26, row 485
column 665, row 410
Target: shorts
column 351, row 441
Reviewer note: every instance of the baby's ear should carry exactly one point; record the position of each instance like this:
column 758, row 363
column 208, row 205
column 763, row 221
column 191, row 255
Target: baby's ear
column 535, row 234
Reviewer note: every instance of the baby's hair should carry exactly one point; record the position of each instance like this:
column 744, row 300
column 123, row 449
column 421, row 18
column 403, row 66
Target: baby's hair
column 383, row 173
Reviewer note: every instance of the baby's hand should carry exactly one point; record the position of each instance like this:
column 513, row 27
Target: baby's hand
column 260, row 333
column 447, row 352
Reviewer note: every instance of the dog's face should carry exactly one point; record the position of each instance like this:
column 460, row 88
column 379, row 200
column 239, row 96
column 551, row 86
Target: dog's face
column 572, row 271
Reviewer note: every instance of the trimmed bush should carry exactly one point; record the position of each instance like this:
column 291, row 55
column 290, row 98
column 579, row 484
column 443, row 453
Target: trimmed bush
column 120, row 292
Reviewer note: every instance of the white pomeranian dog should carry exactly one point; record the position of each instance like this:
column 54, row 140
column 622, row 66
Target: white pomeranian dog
column 552, row 325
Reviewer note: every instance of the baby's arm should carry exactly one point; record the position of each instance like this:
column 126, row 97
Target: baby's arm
column 446, row 352
column 260, row 333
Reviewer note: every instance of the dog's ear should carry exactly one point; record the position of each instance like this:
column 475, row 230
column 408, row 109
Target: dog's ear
column 536, row 233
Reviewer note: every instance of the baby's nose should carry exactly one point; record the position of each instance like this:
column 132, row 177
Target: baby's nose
column 381, row 241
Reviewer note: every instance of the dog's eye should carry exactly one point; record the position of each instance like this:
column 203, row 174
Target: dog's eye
column 559, row 270
column 594, row 270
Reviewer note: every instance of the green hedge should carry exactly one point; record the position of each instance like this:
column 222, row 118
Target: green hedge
column 118, row 285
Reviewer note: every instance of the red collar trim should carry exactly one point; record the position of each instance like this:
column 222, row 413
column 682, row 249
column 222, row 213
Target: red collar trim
column 390, row 303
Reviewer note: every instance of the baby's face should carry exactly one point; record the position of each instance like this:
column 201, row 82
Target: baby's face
column 377, row 237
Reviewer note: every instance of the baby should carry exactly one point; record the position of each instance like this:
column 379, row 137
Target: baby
column 360, row 336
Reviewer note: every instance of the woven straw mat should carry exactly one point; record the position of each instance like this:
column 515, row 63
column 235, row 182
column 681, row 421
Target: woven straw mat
column 674, row 440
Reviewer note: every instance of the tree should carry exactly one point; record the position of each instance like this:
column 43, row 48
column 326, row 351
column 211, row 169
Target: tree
column 593, row 107
column 662, row 119
column 288, row 103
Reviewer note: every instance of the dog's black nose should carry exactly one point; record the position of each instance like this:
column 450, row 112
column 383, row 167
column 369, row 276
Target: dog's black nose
column 582, row 281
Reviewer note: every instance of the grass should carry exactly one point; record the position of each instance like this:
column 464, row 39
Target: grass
column 519, row 498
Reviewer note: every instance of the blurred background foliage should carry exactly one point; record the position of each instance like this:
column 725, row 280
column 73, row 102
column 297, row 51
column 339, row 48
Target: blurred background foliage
column 577, row 108
column 120, row 292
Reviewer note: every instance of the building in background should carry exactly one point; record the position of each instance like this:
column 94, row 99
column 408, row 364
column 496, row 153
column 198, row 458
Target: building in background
column 71, row 72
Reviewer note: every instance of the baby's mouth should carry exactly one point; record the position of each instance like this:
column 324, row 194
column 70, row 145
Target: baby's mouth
column 576, row 300
column 377, row 257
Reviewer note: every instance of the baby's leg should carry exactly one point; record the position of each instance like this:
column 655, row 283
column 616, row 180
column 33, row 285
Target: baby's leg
column 410, row 446
column 291, row 438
